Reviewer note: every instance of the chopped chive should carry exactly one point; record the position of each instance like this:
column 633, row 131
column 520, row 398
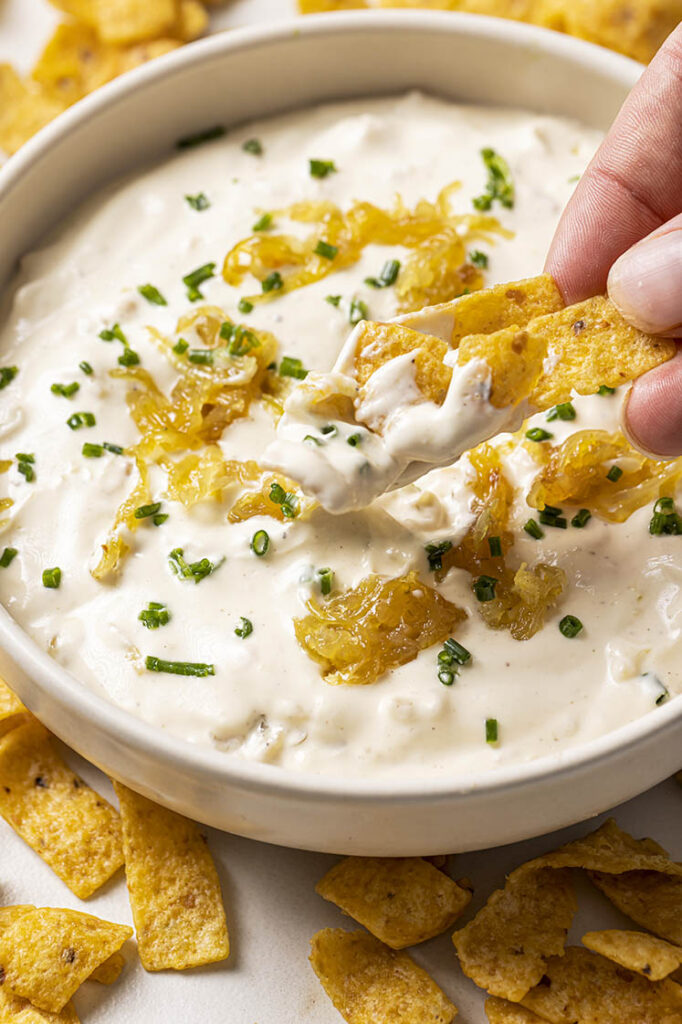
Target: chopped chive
column 500, row 186
column 664, row 505
column 190, row 570
column 329, row 430
column 446, row 676
column 160, row 519
column 128, row 358
column 312, row 440
column 52, row 578
column 484, row 588
column 552, row 510
column 244, row 306
column 614, row 474
column 179, row 668
column 456, row 651
column 291, row 367
column 326, row 580
column 491, row 730
column 85, row 367
column 196, row 278
column 115, row 449
column 548, row 518
column 180, row 346
column 260, row 542
column 155, row 615
column 65, row 390
column 145, row 511
column 495, row 545
column 533, row 529
column 81, row 419
column 358, row 311
column 245, row 628
column 7, row 557
column 113, row 334
column 92, row 451
column 273, row 282
column 435, row 552
column 201, row 356
column 570, row 626
column 321, row 168
column 354, row 440
column 387, row 277
column 604, row 390
column 7, row 375
column 287, row 501
column 240, row 339
column 253, row 146
column 25, row 463
column 478, row 259
column 198, row 202
column 263, row 223
column 152, row 295
column 563, row 411
column 327, row 251
column 665, row 519
column 333, row 300
column 581, row 518
column 199, row 138
column 538, row 434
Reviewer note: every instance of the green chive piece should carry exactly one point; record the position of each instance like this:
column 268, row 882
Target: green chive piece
column 327, row 251
column 326, row 581
column 495, row 545
column 664, row 505
column 129, row 358
column 160, row 519
column 333, row 300
column 287, row 501
column 81, row 419
column 113, row 334
column 92, row 451
column 310, row 439
column 52, row 578
column 291, row 367
column 115, row 449
column 500, row 186
column 263, row 223
column 155, row 615
column 7, row 557
column 354, row 440
column 435, row 552
column 190, row 570
column 358, row 311
column 180, row 346
column 548, row 517
column 145, row 511
column 244, row 306
column 260, row 542
column 179, row 668
column 446, row 676
column 614, row 474
column 65, row 390
column 456, row 652
column 198, row 202
column 329, row 430
column 387, row 277
column 478, row 259
column 604, row 390
column 533, row 530
column 7, row 375
column 85, row 367
column 245, row 628
column 581, row 518
column 253, row 146
column 563, row 411
column 484, row 588
column 538, row 434
column 570, row 626
column 491, row 730
column 25, row 463
column 152, row 295
column 272, row 283
column 240, row 339
column 199, row 138
column 321, row 168
column 196, row 278
column 665, row 520
column 201, row 356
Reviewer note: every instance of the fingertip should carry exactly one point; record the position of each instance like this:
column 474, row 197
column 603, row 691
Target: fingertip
column 652, row 416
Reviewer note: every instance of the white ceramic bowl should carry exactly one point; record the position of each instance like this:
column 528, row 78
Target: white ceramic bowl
column 231, row 78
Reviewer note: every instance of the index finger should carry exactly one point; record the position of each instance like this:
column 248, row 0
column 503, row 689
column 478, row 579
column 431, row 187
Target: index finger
column 633, row 184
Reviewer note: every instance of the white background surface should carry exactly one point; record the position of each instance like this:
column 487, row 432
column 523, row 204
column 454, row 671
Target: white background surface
column 269, row 893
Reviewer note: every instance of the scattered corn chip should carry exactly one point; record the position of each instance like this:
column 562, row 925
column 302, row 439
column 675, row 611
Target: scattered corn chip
column 635, row 29
column 652, row 899
column 369, row 983
column 24, row 109
column 584, row 988
column 12, row 711
column 20, row 1011
column 608, row 849
column 173, row 887
column 504, row 949
column 46, row 954
column 504, row 305
column 192, row 20
column 124, row 21
column 75, row 831
column 500, row 1011
column 109, row 971
column 636, row 951
column 402, row 901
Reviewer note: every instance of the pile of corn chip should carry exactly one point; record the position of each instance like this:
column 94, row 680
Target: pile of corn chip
column 100, row 40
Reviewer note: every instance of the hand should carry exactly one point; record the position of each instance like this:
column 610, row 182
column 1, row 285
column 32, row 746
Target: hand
column 622, row 231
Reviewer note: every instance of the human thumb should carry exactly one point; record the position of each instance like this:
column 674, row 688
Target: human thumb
column 645, row 283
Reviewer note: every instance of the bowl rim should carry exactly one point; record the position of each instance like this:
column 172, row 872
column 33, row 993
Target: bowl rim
column 256, row 777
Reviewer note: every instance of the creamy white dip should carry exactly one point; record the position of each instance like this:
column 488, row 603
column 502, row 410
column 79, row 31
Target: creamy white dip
column 267, row 700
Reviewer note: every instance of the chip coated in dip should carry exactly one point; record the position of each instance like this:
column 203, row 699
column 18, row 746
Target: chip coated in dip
column 145, row 356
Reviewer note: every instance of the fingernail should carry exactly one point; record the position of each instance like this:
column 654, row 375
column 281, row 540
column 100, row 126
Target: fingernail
column 646, row 283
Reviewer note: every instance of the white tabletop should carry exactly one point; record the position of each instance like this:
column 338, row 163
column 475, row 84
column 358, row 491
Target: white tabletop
column 269, row 893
